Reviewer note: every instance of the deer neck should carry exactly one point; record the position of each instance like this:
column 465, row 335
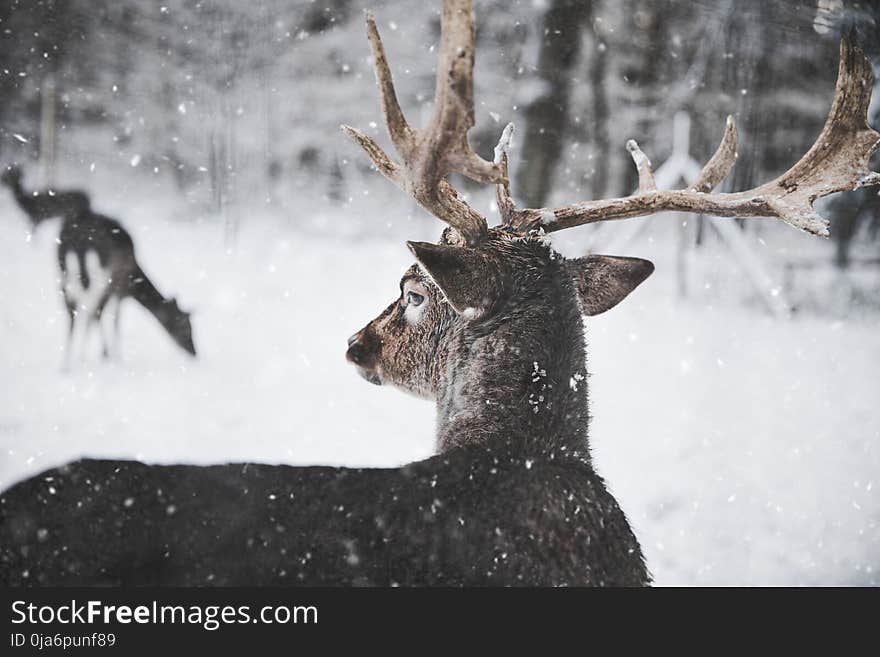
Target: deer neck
column 145, row 293
column 21, row 197
column 520, row 378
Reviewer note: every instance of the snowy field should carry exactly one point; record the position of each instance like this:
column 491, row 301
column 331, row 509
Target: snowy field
column 745, row 450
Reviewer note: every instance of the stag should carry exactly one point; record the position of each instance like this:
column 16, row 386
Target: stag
column 487, row 324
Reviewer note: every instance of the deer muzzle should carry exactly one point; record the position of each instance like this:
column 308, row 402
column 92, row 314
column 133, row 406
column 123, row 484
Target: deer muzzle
column 363, row 356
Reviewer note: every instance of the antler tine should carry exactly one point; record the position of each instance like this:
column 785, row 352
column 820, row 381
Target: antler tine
column 430, row 154
column 401, row 134
column 454, row 91
column 454, row 95
column 506, row 206
column 720, row 164
column 388, row 167
column 837, row 161
column 643, row 166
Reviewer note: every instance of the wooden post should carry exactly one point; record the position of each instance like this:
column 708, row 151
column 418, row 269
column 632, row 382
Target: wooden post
column 230, row 174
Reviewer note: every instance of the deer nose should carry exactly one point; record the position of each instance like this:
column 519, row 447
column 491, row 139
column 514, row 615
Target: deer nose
column 356, row 353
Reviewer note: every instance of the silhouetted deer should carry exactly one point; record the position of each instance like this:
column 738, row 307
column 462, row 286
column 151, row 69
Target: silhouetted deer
column 44, row 204
column 98, row 268
column 488, row 323
column 98, row 271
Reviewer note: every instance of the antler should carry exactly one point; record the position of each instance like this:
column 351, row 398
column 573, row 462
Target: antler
column 837, row 161
column 430, row 154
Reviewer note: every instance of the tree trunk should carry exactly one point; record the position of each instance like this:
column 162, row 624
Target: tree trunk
column 547, row 116
column 599, row 116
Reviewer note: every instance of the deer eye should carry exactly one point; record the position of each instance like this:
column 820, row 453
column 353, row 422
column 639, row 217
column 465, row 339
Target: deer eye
column 414, row 298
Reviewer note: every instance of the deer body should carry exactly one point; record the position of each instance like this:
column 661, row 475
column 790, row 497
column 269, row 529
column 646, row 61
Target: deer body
column 44, row 204
column 472, row 516
column 99, row 270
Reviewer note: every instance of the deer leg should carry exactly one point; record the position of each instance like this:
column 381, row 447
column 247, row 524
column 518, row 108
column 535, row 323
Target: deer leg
column 85, row 287
column 117, row 340
column 72, row 290
column 79, row 336
column 101, row 316
column 109, row 319
column 94, row 299
column 68, row 344
column 80, row 284
column 101, row 319
column 84, row 332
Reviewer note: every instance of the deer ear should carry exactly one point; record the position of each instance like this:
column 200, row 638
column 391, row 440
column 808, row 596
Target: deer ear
column 464, row 276
column 604, row 281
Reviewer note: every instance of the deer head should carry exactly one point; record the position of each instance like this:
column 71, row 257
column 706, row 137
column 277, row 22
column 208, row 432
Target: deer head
column 452, row 286
column 11, row 175
column 177, row 323
column 488, row 321
column 493, row 333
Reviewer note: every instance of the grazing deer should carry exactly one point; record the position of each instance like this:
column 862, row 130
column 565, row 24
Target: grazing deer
column 488, row 323
column 98, row 271
column 98, row 268
column 45, row 204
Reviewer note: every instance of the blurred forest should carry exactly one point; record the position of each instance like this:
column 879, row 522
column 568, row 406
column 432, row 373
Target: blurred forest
column 233, row 105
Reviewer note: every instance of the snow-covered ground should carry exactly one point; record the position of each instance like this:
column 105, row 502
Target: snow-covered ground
column 745, row 450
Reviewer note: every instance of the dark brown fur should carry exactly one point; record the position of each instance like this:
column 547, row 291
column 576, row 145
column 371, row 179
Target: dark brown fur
column 513, row 363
